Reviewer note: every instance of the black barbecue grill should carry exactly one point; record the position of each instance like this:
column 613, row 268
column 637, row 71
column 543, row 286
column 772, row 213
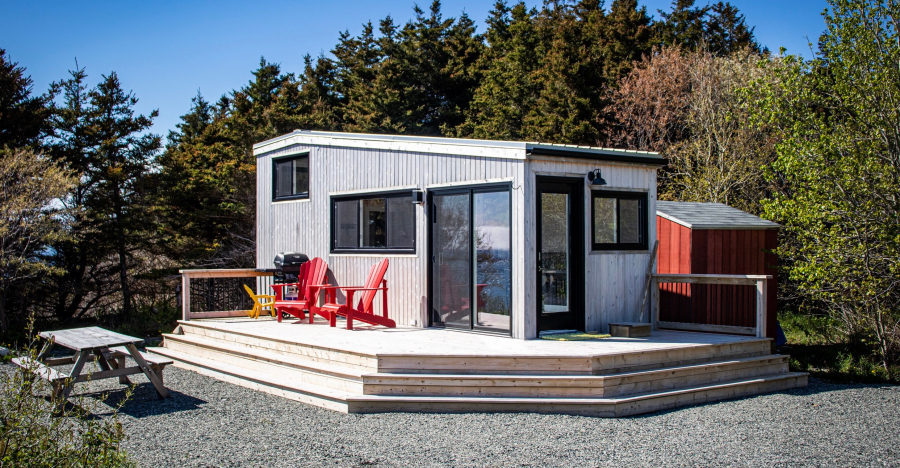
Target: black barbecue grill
column 287, row 267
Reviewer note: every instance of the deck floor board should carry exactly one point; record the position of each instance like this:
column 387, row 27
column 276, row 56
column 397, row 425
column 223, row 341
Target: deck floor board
column 379, row 341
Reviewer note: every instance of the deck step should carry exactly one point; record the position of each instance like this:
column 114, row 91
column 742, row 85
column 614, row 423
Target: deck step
column 285, row 387
column 604, row 407
column 309, row 352
column 355, row 403
column 262, row 360
column 606, row 364
column 573, row 385
column 375, row 371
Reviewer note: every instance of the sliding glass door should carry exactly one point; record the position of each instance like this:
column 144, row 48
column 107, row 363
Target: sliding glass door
column 471, row 273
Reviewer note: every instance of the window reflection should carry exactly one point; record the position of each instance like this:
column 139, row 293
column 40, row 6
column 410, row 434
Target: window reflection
column 492, row 260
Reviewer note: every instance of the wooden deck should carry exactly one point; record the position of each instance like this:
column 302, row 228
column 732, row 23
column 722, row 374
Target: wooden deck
column 372, row 369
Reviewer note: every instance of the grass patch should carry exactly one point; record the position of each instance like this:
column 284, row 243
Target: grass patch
column 816, row 345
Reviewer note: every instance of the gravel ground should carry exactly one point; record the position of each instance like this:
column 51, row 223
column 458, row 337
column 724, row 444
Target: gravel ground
column 209, row 423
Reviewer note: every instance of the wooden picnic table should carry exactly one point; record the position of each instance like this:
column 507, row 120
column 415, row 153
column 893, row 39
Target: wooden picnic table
column 109, row 348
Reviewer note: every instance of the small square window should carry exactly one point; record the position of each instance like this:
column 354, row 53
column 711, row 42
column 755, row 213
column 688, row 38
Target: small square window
column 290, row 177
column 618, row 221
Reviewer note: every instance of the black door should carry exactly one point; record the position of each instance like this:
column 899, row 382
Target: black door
column 560, row 254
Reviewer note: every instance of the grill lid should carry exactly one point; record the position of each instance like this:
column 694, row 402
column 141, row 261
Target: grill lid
column 290, row 259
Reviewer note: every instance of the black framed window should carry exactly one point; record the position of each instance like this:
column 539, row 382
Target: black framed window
column 290, row 177
column 383, row 222
column 618, row 220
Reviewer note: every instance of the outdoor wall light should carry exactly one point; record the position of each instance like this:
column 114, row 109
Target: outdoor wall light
column 418, row 196
column 595, row 178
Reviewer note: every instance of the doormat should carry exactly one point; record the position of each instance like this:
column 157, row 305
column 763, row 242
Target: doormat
column 577, row 336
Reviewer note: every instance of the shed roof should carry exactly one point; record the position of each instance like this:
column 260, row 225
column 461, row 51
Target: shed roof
column 462, row 146
column 710, row 216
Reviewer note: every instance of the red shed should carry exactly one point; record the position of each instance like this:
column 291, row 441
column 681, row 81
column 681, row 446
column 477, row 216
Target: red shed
column 712, row 238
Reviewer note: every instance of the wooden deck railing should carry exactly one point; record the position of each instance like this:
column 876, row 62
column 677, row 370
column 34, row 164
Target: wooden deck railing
column 221, row 294
column 760, row 281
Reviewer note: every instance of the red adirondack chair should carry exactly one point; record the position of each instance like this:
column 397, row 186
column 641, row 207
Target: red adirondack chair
column 363, row 311
column 309, row 282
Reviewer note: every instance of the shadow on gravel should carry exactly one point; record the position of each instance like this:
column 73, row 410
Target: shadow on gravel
column 146, row 402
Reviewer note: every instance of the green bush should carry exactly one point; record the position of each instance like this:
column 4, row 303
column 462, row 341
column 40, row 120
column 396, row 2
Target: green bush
column 817, row 344
column 35, row 433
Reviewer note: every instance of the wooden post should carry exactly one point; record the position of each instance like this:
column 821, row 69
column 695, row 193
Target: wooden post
column 185, row 296
column 648, row 279
column 654, row 312
column 761, row 290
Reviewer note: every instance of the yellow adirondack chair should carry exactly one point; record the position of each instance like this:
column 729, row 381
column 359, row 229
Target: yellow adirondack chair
column 259, row 303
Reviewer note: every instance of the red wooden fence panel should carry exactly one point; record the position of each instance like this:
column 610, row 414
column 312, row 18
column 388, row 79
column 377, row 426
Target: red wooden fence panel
column 714, row 251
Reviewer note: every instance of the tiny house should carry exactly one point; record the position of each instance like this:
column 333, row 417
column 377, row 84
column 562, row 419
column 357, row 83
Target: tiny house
column 501, row 237
column 497, row 239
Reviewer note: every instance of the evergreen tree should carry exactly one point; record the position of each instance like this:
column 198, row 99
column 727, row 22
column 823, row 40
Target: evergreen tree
column 194, row 123
column 507, row 89
column 319, row 106
column 727, row 31
column 380, row 106
column 684, row 26
column 81, row 281
column 207, row 196
column 24, row 118
column 571, row 77
column 588, row 51
column 628, row 34
column 121, row 162
column 719, row 28
column 98, row 137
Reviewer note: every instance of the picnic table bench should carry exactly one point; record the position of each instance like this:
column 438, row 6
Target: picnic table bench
column 109, row 349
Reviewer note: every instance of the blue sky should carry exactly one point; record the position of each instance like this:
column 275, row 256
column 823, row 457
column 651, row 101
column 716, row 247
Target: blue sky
column 165, row 51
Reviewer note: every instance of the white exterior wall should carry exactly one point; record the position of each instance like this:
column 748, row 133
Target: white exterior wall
column 613, row 280
column 304, row 225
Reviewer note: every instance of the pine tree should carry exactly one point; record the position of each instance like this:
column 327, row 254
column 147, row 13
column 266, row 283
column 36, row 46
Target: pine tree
column 356, row 63
column 507, row 89
column 320, row 108
column 684, row 26
column 24, row 118
column 383, row 107
column 719, row 28
column 121, row 162
column 194, row 123
column 727, row 31
column 81, row 281
column 628, row 34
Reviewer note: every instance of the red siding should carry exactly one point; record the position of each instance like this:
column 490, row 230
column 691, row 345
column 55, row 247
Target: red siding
column 674, row 256
column 730, row 252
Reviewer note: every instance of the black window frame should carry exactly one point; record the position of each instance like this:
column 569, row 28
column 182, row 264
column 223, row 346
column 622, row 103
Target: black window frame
column 290, row 157
column 358, row 197
column 643, row 218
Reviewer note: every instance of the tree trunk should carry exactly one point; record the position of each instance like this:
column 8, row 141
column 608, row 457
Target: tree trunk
column 4, row 320
column 121, row 250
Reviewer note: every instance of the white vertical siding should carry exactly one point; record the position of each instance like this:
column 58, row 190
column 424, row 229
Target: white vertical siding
column 303, row 226
column 613, row 280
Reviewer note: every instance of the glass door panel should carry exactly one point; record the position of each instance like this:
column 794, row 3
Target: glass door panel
column 492, row 234
column 452, row 271
column 554, row 253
